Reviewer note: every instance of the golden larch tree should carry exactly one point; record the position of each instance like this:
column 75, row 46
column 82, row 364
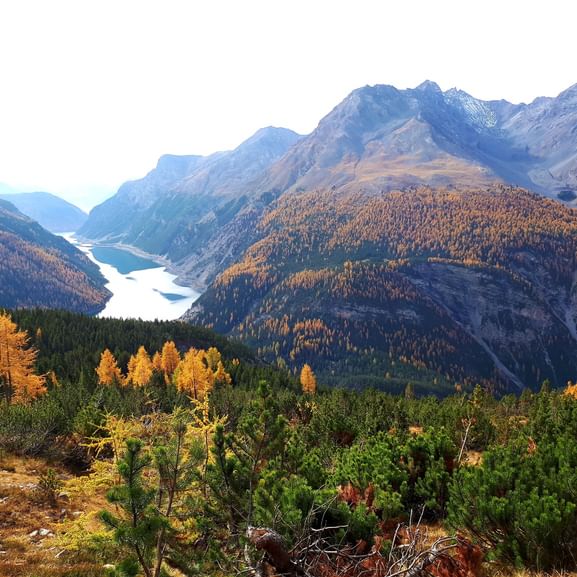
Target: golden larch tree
column 221, row 376
column 108, row 370
column 308, row 380
column 18, row 379
column 213, row 358
column 157, row 362
column 193, row 376
column 139, row 368
column 570, row 390
column 170, row 359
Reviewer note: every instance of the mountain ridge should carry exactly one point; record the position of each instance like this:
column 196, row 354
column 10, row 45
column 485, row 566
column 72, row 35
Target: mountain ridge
column 378, row 138
column 52, row 212
column 475, row 285
column 39, row 269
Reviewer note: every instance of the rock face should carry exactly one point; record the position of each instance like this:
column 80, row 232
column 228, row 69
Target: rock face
column 52, row 212
column 38, row 269
column 381, row 138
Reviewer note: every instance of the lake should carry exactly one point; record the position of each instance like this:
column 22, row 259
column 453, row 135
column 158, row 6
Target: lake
column 140, row 287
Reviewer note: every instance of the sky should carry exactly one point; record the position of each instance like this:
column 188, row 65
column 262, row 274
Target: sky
column 92, row 92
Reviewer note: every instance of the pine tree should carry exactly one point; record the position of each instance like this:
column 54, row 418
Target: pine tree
column 108, row 371
column 158, row 485
column 141, row 524
column 19, row 382
column 308, row 380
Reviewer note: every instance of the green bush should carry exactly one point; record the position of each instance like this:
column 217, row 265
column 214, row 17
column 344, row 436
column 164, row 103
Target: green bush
column 521, row 503
column 406, row 472
column 31, row 429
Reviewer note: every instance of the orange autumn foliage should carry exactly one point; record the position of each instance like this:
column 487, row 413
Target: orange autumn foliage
column 308, row 380
column 18, row 379
column 108, row 371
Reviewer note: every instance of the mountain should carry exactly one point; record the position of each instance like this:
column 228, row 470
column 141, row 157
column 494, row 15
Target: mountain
column 344, row 248
column 52, row 212
column 381, row 138
column 39, row 269
column 475, row 285
column 199, row 212
column 180, row 205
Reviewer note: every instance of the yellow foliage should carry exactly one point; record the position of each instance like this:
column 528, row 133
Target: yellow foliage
column 139, row 368
column 571, row 390
column 308, row 380
column 108, row 371
column 157, row 362
column 193, row 376
column 18, row 379
column 170, row 359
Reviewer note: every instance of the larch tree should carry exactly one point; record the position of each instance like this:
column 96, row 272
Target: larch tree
column 157, row 362
column 108, row 370
column 213, row 358
column 18, row 379
column 170, row 358
column 193, row 376
column 221, row 376
column 308, row 380
column 140, row 368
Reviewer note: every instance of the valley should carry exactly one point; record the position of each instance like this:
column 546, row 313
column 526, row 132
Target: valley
column 324, row 336
column 140, row 288
column 409, row 202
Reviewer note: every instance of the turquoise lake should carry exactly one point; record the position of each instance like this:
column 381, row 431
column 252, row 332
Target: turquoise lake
column 141, row 288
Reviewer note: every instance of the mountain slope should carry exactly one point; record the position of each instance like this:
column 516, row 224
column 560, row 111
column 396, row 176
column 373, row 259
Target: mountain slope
column 477, row 286
column 546, row 128
column 52, row 212
column 198, row 214
column 181, row 204
column 38, row 269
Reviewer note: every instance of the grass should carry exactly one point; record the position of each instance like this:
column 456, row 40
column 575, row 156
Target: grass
column 23, row 511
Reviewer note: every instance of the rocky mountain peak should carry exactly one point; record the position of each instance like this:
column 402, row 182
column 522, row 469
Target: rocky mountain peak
column 429, row 86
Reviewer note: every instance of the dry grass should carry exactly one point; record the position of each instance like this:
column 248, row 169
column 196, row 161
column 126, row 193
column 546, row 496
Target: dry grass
column 23, row 512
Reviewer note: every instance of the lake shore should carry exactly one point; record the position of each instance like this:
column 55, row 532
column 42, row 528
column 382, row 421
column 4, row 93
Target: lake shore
column 163, row 261
column 139, row 291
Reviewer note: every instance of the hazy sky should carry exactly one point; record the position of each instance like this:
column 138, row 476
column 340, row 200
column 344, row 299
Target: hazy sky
column 93, row 92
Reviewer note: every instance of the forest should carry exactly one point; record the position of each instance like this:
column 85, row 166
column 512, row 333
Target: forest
column 38, row 268
column 375, row 284
column 156, row 448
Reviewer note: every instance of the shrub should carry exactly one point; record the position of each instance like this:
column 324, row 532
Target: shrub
column 520, row 504
column 31, row 429
column 48, row 487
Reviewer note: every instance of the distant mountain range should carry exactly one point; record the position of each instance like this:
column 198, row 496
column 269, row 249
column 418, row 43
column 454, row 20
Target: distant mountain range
column 52, row 212
column 196, row 210
column 230, row 222
column 39, row 269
